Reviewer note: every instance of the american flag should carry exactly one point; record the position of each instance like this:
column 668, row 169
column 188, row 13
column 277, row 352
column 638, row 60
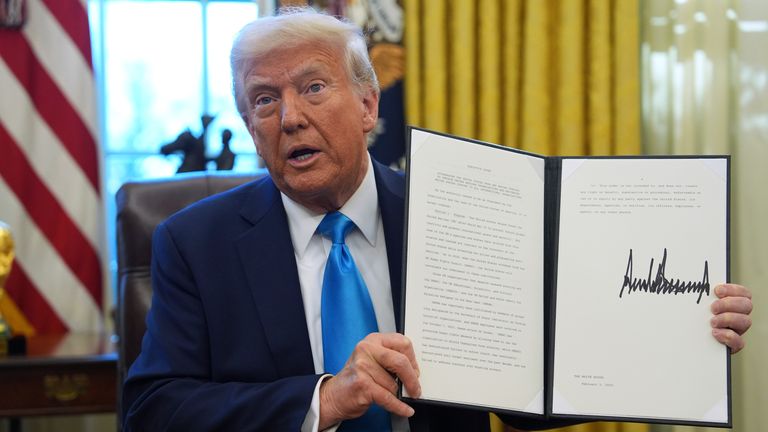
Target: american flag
column 50, row 188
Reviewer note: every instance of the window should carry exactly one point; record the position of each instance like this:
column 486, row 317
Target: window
column 161, row 65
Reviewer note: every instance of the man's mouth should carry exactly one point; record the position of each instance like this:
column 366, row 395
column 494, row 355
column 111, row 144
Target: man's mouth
column 302, row 154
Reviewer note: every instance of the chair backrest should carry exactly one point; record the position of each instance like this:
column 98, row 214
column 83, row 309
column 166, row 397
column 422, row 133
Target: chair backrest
column 141, row 206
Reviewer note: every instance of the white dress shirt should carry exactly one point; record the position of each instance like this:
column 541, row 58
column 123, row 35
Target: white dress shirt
column 368, row 248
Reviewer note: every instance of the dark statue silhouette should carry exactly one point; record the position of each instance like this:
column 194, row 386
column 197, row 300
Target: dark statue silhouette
column 226, row 159
column 193, row 149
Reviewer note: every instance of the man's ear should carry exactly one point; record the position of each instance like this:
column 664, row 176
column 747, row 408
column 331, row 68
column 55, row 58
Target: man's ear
column 370, row 110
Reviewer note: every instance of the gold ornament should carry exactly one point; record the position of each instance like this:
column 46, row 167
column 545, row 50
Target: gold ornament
column 6, row 258
column 388, row 62
column 6, row 253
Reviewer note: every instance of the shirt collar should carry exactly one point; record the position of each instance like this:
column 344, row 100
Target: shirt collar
column 362, row 207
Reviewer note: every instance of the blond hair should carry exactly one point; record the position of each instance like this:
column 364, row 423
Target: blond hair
column 293, row 27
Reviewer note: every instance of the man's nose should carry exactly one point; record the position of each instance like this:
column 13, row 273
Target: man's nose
column 292, row 116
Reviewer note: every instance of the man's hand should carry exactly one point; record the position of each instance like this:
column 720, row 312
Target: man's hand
column 731, row 312
column 369, row 377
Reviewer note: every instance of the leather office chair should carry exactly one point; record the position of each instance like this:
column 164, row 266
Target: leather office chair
column 141, row 206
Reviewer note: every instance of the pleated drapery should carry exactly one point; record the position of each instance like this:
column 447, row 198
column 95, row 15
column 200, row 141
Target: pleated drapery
column 556, row 77
column 705, row 91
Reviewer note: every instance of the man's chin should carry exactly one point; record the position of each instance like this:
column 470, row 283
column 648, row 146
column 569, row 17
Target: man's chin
column 314, row 195
column 319, row 189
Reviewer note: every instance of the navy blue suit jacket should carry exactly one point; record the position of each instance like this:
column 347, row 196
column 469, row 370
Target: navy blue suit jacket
column 227, row 347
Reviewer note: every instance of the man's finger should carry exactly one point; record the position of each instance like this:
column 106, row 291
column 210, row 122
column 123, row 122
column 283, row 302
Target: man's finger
column 383, row 379
column 742, row 305
column 401, row 344
column 389, row 402
column 729, row 338
column 739, row 323
column 399, row 364
column 732, row 290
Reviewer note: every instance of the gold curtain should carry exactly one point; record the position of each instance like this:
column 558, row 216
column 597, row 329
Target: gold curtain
column 704, row 91
column 555, row 77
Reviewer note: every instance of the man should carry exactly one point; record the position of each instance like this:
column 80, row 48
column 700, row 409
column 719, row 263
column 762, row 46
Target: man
column 236, row 337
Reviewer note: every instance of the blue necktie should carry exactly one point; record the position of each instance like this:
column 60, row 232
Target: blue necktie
column 347, row 314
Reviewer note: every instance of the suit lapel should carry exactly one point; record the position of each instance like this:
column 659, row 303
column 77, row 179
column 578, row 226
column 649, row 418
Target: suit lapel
column 390, row 187
column 266, row 252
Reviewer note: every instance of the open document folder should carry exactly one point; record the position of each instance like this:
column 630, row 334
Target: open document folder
column 566, row 287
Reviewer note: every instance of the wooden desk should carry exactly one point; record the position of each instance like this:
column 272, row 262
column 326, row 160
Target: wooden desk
column 61, row 374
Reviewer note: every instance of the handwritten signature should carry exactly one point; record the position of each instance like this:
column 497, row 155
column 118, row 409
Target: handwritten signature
column 660, row 284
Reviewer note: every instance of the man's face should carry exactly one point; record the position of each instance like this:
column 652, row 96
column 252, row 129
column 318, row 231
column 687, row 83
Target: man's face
column 309, row 124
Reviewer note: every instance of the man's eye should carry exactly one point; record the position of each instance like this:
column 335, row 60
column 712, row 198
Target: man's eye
column 264, row 100
column 316, row 87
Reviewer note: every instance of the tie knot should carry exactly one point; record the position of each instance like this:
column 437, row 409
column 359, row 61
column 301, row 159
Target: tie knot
column 336, row 226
